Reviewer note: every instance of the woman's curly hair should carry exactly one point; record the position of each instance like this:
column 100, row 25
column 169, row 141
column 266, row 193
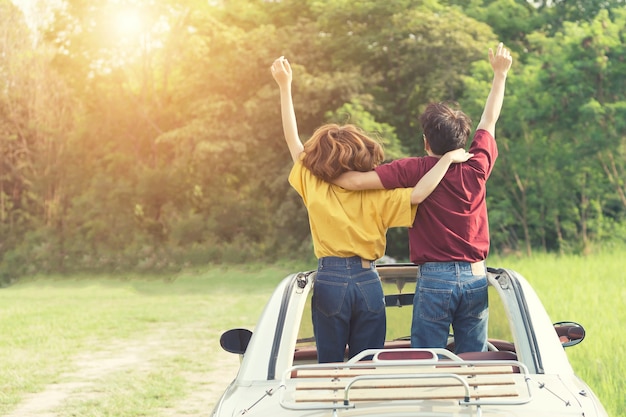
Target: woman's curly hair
column 335, row 149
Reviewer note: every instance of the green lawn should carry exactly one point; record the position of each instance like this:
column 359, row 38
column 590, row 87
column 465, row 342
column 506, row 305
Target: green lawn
column 590, row 290
column 46, row 323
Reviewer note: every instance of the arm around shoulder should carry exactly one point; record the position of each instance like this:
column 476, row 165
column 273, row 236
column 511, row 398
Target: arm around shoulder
column 427, row 184
column 355, row 180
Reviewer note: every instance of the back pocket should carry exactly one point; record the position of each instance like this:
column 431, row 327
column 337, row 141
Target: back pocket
column 328, row 296
column 372, row 293
column 433, row 304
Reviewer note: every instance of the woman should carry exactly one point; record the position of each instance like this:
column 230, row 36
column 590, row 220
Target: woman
column 348, row 227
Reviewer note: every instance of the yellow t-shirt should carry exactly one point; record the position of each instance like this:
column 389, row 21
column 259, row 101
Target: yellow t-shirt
column 347, row 223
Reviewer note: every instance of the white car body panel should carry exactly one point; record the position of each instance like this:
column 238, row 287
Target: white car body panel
column 266, row 374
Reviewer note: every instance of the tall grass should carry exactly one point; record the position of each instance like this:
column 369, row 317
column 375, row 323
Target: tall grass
column 46, row 322
column 590, row 290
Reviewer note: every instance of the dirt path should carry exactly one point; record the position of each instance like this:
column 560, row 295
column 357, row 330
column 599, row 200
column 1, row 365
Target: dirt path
column 139, row 354
column 209, row 388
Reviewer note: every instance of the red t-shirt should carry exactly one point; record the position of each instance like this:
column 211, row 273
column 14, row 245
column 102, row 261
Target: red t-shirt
column 451, row 224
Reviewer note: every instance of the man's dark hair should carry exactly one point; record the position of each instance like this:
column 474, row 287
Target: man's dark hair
column 445, row 127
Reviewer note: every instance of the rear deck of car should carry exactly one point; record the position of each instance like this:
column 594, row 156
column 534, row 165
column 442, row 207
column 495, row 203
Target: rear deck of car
column 386, row 375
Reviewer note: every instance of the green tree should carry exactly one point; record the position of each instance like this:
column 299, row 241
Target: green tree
column 408, row 54
column 562, row 123
column 36, row 110
column 559, row 12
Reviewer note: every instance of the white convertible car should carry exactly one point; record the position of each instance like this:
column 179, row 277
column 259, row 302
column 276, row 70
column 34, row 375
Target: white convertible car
column 525, row 372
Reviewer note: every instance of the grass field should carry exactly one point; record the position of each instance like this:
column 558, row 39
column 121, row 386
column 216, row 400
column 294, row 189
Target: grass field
column 48, row 325
column 590, row 290
column 140, row 345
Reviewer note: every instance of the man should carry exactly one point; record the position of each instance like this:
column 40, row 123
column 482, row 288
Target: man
column 450, row 237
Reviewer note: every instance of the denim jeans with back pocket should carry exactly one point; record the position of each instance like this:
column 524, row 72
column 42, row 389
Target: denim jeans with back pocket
column 348, row 308
column 448, row 293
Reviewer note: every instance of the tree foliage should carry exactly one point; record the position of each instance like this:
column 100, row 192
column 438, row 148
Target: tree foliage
column 158, row 144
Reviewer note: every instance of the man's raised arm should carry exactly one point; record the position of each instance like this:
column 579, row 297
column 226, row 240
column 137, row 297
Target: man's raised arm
column 500, row 63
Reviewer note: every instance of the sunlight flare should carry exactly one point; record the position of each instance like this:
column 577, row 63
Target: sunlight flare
column 128, row 22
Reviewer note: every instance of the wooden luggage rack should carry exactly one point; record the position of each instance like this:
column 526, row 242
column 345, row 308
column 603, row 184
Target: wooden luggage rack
column 387, row 375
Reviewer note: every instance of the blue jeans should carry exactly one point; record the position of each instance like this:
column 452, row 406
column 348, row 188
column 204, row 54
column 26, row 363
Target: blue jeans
column 348, row 308
column 448, row 293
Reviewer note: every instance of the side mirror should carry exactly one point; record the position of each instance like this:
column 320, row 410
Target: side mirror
column 570, row 333
column 235, row 340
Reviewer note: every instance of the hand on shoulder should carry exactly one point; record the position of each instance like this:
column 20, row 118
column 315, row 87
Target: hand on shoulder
column 458, row 155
